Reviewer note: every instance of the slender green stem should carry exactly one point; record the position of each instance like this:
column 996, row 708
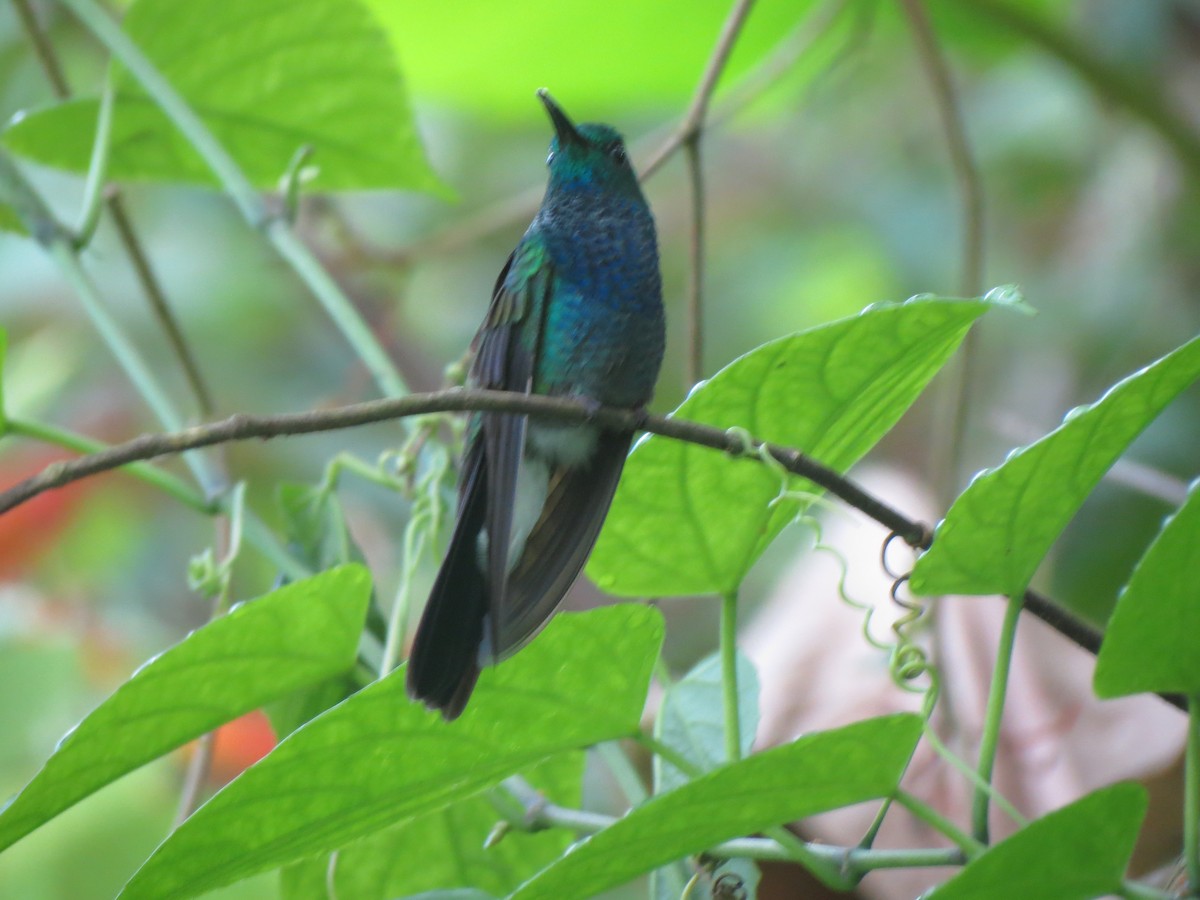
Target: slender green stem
column 244, row 196
column 971, row 775
column 622, row 770
column 669, row 754
column 263, row 540
column 873, row 829
column 96, row 197
column 31, row 209
column 953, row 409
column 990, row 740
column 1191, row 797
column 416, row 538
column 831, row 871
column 838, row 865
column 129, row 358
column 93, row 188
column 935, row 820
column 729, row 684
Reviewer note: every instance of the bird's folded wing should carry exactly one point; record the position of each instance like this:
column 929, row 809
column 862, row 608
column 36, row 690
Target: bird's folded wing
column 559, row 544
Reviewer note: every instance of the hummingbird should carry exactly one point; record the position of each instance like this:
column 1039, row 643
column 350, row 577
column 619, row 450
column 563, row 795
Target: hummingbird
column 576, row 312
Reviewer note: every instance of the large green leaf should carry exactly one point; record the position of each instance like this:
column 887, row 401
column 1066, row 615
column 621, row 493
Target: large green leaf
column 444, row 849
column 1000, row 528
column 267, row 77
column 261, row 650
column 1076, row 853
column 1153, row 638
column 816, row 773
column 688, row 520
column 377, row 758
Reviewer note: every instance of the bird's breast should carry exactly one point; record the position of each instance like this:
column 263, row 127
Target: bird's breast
column 604, row 328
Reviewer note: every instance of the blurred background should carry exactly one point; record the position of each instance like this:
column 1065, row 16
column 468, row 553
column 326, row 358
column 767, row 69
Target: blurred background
column 829, row 187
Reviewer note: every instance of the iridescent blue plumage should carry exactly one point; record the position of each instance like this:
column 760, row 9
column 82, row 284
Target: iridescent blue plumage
column 577, row 311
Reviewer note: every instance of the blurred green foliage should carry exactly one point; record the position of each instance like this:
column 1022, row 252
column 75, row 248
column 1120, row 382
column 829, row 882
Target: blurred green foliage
column 831, row 191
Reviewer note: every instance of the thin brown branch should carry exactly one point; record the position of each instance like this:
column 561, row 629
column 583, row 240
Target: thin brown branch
column 961, row 158
column 693, row 122
column 128, row 237
column 42, row 49
column 152, row 287
column 693, row 367
column 246, row 427
column 690, row 133
column 950, row 425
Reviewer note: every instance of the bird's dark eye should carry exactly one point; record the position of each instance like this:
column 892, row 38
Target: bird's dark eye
column 617, row 152
column 550, row 157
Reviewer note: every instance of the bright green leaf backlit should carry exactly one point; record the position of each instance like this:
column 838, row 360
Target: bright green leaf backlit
column 688, row 520
column 261, row 650
column 378, row 758
column 267, row 77
column 444, row 849
column 1153, row 638
column 1078, row 852
column 815, row 773
column 1001, row 527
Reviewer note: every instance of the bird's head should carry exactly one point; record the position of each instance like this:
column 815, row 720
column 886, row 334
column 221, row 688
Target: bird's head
column 586, row 156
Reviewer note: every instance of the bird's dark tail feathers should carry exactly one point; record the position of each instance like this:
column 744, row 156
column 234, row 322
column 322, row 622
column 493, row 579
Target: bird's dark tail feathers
column 444, row 662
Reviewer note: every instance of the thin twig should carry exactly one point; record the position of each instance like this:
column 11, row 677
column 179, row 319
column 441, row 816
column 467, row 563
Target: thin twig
column 693, row 365
column 152, row 287
column 246, row 427
column 950, row 428
column 691, row 132
column 42, row 49
column 693, row 122
column 961, row 158
column 989, row 742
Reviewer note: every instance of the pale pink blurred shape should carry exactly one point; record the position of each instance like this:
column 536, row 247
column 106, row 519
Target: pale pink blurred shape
column 1058, row 741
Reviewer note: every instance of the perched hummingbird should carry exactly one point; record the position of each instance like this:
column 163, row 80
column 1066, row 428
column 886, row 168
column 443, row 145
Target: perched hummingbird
column 576, row 312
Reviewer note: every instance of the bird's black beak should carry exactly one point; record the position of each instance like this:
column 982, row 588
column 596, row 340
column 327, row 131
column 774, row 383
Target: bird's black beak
column 563, row 127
